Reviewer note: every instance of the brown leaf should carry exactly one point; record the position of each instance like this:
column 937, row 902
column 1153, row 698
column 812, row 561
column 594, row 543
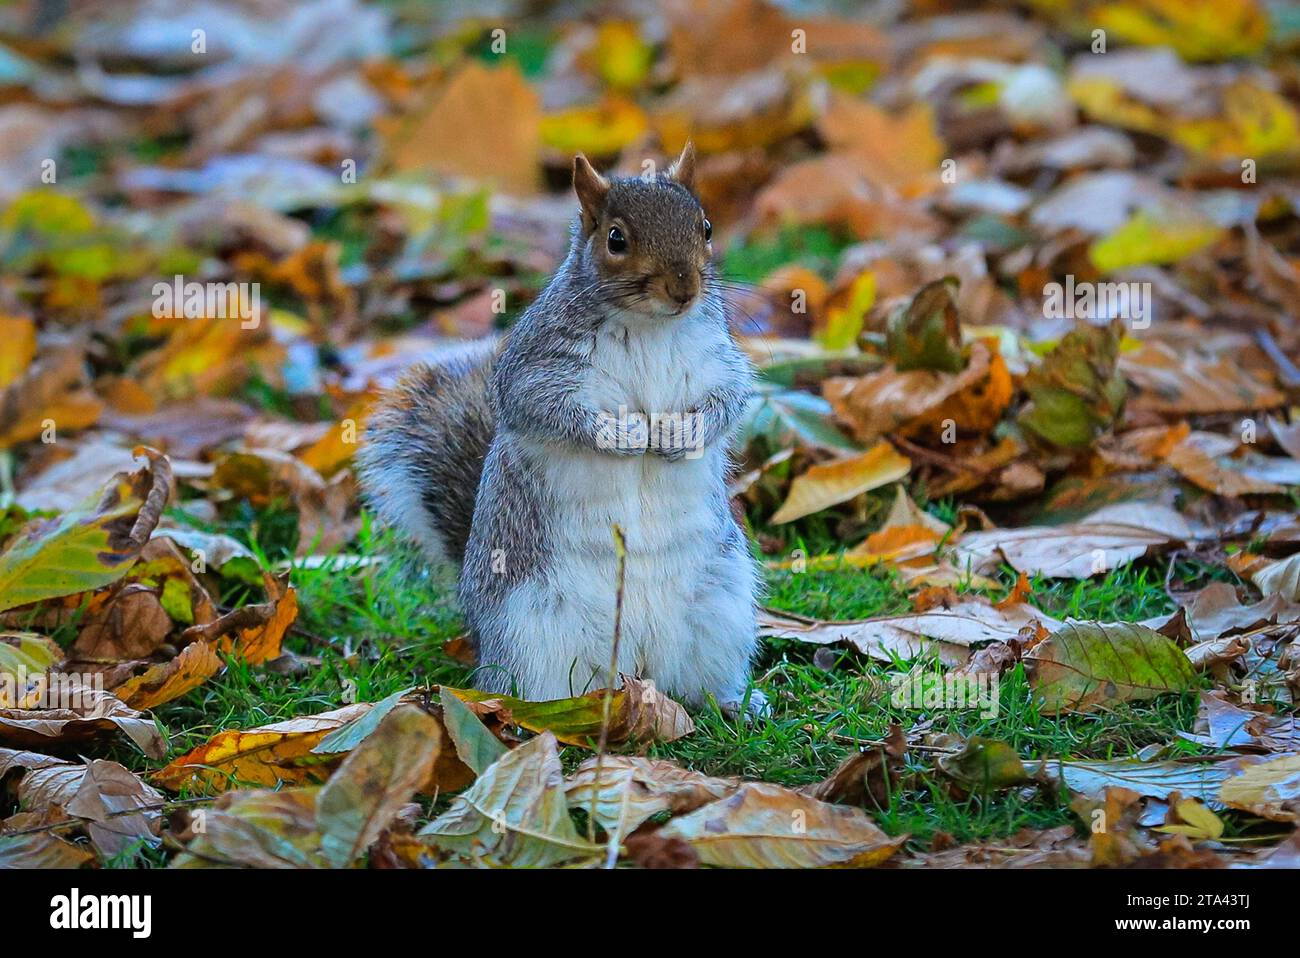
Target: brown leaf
column 951, row 632
column 104, row 792
column 485, row 122
column 268, row 755
column 131, row 624
column 1202, row 470
column 93, row 715
column 630, row 790
column 1106, row 539
column 41, row 850
column 919, row 400
column 252, row 632
column 190, row 668
column 766, row 826
column 375, row 782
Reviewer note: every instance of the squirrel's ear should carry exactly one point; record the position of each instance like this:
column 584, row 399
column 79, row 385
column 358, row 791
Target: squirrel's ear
column 591, row 188
column 683, row 168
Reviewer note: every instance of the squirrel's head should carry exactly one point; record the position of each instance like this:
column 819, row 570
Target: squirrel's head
column 646, row 236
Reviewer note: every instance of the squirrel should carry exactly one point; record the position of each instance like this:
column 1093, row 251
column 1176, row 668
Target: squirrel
column 610, row 402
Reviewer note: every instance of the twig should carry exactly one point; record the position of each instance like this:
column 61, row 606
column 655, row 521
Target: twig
column 72, row 822
column 881, row 743
column 620, row 551
column 1287, row 370
column 937, row 458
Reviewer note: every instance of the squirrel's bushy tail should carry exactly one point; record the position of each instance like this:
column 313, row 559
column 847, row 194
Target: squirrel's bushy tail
column 424, row 448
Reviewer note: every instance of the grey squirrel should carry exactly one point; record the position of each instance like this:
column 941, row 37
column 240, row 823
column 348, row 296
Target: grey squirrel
column 610, row 401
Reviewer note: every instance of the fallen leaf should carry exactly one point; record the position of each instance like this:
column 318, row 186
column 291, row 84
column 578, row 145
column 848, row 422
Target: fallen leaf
column 24, row 659
column 1077, row 391
column 41, row 850
column 949, row 632
column 19, row 335
column 630, row 790
column 166, row 681
column 829, row 484
column 88, row 547
column 374, row 782
column 638, row 713
column 1270, row 789
column 515, row 814
column 477, row 747
column 268, row 755
column 484, row 122
column 93, row 714
column 1085, row 665
column 766, row 826
column 1106, row 539
column 1280, row 578
column 103, row 796
column 921, row 400
column 1198, row 822
column 984, row 765
column 1218, row 477
column 255, row 632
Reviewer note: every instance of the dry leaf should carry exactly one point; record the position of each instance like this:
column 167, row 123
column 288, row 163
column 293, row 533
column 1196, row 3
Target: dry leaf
column 766, row 826
column 823, row 486
column 268, row 755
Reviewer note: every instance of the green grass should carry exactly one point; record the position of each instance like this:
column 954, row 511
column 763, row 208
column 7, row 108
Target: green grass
column 381, row 629
column 818, row 248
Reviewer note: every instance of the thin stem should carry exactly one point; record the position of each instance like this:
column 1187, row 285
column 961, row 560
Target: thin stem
column 620, row 551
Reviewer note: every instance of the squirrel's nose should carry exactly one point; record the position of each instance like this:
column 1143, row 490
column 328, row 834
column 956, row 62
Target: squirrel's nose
column 679, row 288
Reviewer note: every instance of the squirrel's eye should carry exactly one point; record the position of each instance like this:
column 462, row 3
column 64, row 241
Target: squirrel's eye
column 617, row 241
column 708, row 231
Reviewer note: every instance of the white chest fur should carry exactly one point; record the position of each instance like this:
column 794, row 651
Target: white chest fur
column 652, row 367
column 669, row 512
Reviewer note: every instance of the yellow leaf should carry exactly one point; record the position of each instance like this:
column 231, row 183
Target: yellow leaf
column 335, row 449
column 599, row 129
column 1102, row 98
column 826, row 485
column 1146, row 240
column 1256, row 123
column 620, row 56
column 1266, row 789
column 1201, row 823
column 253, row 633
column 1197, row 29
column 843, row 323
column 24, row 656
column 19, row 337
column 266, row 756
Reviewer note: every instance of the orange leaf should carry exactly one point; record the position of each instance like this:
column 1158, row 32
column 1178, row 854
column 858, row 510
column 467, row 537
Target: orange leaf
column 195, row 664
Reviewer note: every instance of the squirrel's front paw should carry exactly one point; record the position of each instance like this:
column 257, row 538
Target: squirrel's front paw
column 676, row 437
